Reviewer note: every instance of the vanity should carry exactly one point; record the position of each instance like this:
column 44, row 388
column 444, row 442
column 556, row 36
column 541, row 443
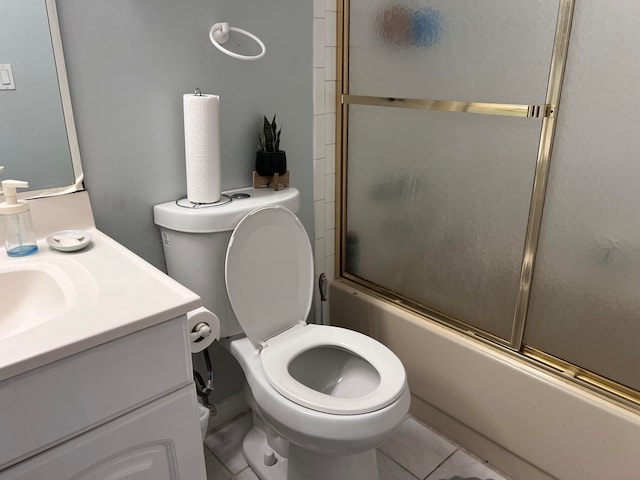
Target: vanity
column 95, row 363
column 95, row 360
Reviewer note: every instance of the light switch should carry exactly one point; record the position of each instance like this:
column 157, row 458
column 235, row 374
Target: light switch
column 6, row 77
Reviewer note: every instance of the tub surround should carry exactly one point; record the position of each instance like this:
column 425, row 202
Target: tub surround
column 525, row 421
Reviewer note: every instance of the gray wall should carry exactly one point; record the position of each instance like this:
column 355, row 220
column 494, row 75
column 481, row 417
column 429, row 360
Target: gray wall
column 129, row 63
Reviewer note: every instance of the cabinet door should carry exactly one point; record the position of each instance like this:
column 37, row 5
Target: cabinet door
column 159, row 441
column 132, row 370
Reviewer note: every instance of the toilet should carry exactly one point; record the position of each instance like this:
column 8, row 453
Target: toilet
column 323, row 397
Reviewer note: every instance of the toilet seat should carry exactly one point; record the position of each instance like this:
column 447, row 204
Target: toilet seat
column 282, row 349
column 269, row 279
column 269, row 272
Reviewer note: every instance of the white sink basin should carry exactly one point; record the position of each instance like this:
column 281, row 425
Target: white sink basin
column 35, row 292
column 57, row 304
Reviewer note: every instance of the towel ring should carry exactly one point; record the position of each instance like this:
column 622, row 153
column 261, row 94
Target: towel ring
column 219, row 34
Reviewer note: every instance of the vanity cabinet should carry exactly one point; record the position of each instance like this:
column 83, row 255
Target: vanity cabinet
column 123, row 409
column 149, row 443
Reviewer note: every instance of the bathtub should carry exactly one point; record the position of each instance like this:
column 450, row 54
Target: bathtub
column 525, row 421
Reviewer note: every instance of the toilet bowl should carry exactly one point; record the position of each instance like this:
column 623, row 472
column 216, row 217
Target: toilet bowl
column 323, row 397
column 327, row 390
column 333, row 370
column 312, row 429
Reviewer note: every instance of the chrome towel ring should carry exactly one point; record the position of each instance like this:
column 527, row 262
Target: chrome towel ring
column 219, row 34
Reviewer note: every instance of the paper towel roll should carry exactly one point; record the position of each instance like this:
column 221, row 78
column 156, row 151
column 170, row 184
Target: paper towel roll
column 204, row 328
column 202, row 147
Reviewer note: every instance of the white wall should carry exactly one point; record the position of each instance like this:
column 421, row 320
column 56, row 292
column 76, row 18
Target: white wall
column 324, row 137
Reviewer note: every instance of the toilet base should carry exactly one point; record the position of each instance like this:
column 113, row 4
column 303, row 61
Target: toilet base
column 254, row 447
column 305, row 464
column 309, row 465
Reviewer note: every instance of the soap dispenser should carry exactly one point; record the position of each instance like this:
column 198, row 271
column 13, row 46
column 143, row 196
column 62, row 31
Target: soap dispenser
column 15, row 217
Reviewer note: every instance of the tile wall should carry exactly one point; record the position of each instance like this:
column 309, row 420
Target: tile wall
column 324, row 138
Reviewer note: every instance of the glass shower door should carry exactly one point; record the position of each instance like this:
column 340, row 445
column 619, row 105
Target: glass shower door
column 442, row 121
column 490, row 51
column 438, row 204
column 585, row 300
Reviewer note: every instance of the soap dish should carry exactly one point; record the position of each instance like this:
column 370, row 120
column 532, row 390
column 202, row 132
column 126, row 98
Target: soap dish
column 69, row 240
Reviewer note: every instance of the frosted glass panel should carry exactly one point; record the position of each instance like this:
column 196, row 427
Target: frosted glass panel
column 585, row 303
column 437, row 207
column 485, row 51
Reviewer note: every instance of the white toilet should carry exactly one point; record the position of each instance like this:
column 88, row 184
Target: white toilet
column 323, row 397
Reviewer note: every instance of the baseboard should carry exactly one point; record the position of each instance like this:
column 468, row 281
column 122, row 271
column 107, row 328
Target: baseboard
column 227, row 409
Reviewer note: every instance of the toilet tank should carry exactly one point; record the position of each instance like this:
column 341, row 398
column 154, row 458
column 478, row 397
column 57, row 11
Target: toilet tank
column 195, row 239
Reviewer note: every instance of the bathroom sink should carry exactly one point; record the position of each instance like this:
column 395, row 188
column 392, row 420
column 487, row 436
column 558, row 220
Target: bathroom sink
column 56, row 304
column 35, row 292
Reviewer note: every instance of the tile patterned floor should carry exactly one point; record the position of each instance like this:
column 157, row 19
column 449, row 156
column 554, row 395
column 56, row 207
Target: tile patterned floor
column 415, row 452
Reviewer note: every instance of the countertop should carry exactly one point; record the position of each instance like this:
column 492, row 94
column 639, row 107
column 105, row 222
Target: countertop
column 119, row 293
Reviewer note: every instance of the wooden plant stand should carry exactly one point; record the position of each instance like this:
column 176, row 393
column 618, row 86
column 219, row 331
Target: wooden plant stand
column 274, row 182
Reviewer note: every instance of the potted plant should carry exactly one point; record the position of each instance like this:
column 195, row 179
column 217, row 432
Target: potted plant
column 269, row 158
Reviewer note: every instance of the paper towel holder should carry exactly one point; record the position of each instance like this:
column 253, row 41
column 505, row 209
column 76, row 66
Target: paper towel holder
column 219, row 34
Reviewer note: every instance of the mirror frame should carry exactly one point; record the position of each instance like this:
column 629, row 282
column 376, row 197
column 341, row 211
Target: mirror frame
column 67, row 110
column 65, row 97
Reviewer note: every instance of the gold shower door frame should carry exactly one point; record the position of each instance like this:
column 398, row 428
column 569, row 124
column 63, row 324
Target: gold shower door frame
column 547, row 112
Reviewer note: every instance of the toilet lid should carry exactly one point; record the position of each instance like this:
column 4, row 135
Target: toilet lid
column 269, row 272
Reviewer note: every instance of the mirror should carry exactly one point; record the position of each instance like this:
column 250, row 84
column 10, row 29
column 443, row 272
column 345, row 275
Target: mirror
column 38, row 140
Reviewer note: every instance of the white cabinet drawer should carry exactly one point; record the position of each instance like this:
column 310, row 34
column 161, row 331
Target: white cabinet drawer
column 42, row 408
column 160, row 441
